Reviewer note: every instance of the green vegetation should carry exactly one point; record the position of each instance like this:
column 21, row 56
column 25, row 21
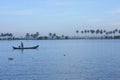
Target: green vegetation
column 32, row 36
column 83, row 34
column 99, row 34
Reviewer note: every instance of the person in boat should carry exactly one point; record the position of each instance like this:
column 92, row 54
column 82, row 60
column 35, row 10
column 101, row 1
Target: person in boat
column 22, row 45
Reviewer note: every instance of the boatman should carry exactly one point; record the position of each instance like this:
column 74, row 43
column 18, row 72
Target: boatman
column 22, row 45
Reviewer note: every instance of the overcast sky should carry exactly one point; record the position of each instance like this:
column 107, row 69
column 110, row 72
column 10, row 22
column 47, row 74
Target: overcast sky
column 59, row 16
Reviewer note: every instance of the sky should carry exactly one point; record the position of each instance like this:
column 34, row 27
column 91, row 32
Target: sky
column 58, row 16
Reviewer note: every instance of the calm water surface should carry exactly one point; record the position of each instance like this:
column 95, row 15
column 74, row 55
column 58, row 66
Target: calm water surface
column 61, row 60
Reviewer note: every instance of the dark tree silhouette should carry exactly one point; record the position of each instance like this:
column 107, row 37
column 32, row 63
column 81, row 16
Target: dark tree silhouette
column 82, row 32
column 50, row 35
column 54, row 35
column 77, row 31
column 27, row 35
column 63, row 36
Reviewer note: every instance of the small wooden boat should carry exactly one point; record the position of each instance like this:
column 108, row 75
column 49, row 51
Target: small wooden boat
column 34, row 47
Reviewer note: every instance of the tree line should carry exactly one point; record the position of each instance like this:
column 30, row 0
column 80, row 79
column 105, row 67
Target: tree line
column 32, row 36
column 50, row 36
column 80, row 34
column 100, row 33
column 6, row 34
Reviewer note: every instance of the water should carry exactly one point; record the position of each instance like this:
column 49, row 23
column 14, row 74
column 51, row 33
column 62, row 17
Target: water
column 61, row 60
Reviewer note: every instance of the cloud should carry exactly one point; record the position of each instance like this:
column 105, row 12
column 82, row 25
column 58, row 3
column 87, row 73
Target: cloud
column 18, row 12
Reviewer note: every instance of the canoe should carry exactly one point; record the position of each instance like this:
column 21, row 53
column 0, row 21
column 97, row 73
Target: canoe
column 34, row 47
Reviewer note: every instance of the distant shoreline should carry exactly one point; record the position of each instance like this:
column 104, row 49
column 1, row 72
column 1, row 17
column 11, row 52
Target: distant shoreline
column 63, row 39
column 80, row 35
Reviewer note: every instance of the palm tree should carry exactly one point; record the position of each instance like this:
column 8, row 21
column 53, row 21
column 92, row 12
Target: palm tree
column 119, row 31
column 101, row 31
column 37, row 34
column 85, row 31
column 104, row 31
column 116, row 30
column 2, row 34
column 113, row 32
column 77, row 32
column 92, row 31
column 11, row 35
column 32, row 35
column 63, row 36
column 88, row 31
column 50, row 35
column 97, row 31
column 82, row 32
column 27, row 35
column 54, row 35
